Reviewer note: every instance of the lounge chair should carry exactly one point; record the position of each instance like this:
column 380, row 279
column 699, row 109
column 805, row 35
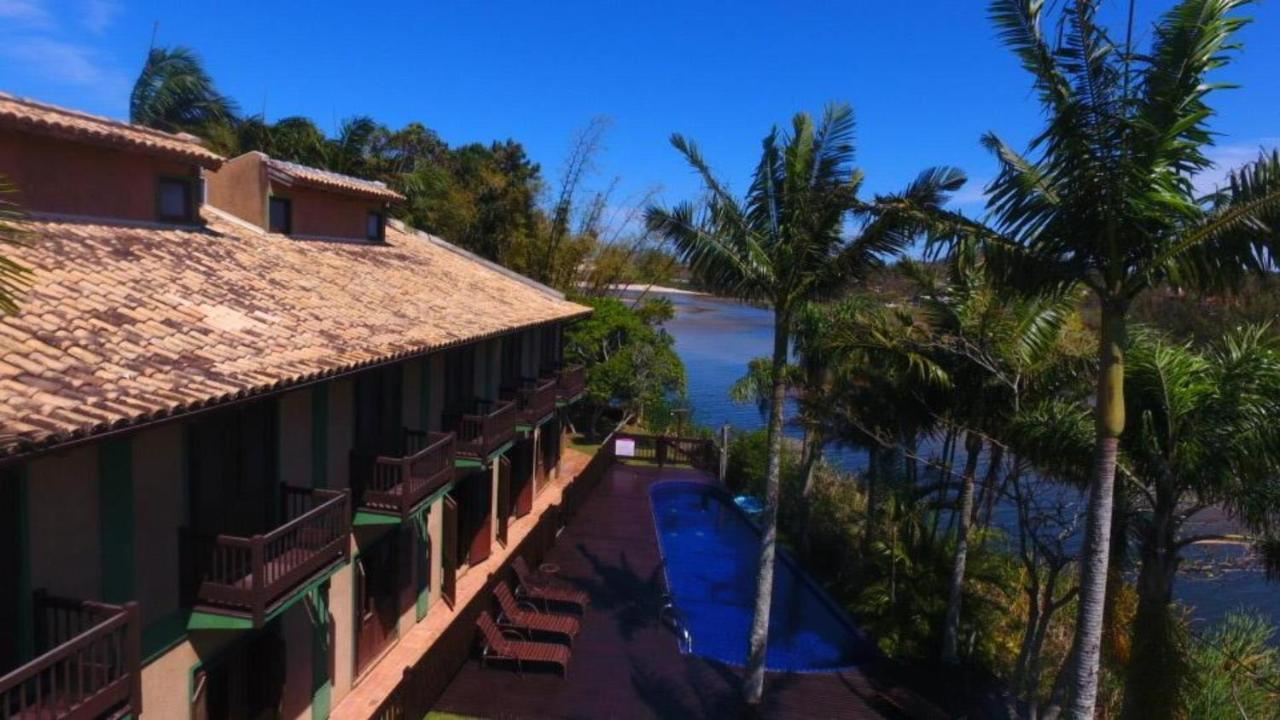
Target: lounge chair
column 499, row 646
column 530, row 618
column 546, row 589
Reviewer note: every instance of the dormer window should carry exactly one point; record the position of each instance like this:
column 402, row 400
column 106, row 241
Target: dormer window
column 175, row 200
column 281, row 216
column 375, row 227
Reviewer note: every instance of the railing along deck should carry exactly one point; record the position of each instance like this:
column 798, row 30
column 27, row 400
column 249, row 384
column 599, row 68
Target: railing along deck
column 252, row 574
column 397, row 485
column 571, row 381
column 489, row 426
column 535, row 399
column 700, row 453
column 92, row 667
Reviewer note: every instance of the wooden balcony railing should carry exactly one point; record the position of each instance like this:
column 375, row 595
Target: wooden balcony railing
column 483, row 428
column 92, row 666
column 250, row 575
column 534, row 399
column 396, row 485
column 571, row 382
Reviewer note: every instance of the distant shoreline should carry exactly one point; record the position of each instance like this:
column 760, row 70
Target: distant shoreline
column 642, row 287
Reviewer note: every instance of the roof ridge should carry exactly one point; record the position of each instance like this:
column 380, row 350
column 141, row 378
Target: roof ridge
column 30, row 102
column 324, row 171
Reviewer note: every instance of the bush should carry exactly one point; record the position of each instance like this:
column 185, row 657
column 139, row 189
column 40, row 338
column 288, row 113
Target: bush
column 1234, row 671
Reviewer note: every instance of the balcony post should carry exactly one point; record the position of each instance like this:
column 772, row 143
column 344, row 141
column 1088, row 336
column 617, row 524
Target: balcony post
column 133, row 656
column 258, row 589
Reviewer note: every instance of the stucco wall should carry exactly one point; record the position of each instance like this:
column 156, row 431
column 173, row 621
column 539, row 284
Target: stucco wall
column 295, row 437
column 73, row 178
column 342, row 607
column 240, row 188
column 341, row 432
column 62, row 491
column 159, row 500
column 326, row 214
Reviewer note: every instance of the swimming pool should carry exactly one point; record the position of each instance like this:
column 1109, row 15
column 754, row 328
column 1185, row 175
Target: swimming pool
column 711, row 552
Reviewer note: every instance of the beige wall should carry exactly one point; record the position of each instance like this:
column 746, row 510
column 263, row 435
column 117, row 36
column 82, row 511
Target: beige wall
column 342, row 607
column 295, row 437
column 159, row 501
column 341, row 432
column 240, row 188
column 411, row 390
column 296, row 630
column 65, row 547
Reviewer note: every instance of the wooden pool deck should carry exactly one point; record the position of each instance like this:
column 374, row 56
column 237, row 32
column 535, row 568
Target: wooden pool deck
column 625, row 662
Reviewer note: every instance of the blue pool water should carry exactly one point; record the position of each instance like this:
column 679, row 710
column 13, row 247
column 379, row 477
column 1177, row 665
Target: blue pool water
column 711, row 552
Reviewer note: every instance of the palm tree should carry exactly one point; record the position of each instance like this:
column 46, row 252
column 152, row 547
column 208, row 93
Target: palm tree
column 1104, row 199
column 999, row 352
column 13, row 276
column 783, row 245
column 1205, row 435
column 175, row 93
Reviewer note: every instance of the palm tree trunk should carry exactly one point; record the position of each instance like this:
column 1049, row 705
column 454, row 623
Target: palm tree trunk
column 1155, row 667
column 754, row 689
column 951, row 629
column 812, row 457
column 1110, row 418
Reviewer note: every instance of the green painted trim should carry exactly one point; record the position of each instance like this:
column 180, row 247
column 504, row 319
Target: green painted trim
column 365, row 518
column 321, row 683
column 500, row 452
column 422, row 544
column 26, row 641
column 468, row 463
column 115, row 518
column 424, row 409
column 201, row 620
column 320, row 435
column 163, row 635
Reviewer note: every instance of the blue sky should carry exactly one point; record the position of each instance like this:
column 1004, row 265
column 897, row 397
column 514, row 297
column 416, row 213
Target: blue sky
column 926, row 78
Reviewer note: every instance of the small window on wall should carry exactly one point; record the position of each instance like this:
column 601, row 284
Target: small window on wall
column 175, row 200
column 281, row 216
column 375, row 227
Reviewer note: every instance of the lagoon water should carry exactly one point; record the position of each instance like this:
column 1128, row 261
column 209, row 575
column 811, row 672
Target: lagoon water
column 716, row 339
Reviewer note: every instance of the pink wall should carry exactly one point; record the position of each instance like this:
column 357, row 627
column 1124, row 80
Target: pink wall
column 61, row 176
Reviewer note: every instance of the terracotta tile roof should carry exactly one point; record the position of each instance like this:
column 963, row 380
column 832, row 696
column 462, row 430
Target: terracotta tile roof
column 32, row 116
column 124, row 325
column 292, row 173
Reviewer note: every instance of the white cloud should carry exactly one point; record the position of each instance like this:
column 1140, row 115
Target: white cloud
column 1226, row 158
column 99, row 14
column 28, row 13
column 65, row 63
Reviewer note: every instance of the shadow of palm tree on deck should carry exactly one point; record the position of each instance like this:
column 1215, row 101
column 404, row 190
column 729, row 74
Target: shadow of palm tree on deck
column 634, row 601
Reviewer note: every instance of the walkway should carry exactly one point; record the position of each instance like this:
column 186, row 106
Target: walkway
column 625, row 663
column 379, row 681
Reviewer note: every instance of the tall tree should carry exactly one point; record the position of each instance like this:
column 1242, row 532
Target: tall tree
column 783, row 244
column 1204, row 436
column 175, row 93
column 1104, row 198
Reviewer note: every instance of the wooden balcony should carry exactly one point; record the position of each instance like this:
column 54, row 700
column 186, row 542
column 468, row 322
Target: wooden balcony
column 483, row 428
column 248, row 577
column 535, row 399
column 397, row 485
column 92, row 666
column 571, row 382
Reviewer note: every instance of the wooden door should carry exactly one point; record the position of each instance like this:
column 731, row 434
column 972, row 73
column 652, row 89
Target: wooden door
column 504, row 498
column 247, row 683
column 376, row 600
column 523, row 470
column 449, row 550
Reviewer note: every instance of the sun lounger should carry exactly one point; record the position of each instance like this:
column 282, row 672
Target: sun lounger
column 546, row 589
column 498, row 645
column 529, row 618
